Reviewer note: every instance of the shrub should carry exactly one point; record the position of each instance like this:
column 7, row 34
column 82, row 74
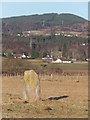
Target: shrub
column 35, row 54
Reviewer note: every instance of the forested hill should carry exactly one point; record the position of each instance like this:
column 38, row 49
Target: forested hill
column 49, row 19
column 36, row 21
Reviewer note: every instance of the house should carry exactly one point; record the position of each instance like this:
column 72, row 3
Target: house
column 61, row 60
column 21, row 56
column 64, row 60
column 56, row 60
column 67, row 35
column 28, row 57
column 88, row 59
column 47, row 57
column 5, row 54
column 24, row 56
column 57, row 34
column 18, row 34
column 74, row 60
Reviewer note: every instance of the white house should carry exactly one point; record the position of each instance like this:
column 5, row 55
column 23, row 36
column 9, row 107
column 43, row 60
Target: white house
column 64, row 60
column 67, row 61
column 56, row 60
column 23, row 56
column 57, row 34
column 61, row 60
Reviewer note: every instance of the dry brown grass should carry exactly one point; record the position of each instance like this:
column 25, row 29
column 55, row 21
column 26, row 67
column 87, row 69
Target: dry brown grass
column 62, row 96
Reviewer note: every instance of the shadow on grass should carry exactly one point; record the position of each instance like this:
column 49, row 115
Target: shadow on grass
column 57, row 98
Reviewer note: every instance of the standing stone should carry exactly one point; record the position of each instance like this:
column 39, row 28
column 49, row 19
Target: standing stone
column 31, row 89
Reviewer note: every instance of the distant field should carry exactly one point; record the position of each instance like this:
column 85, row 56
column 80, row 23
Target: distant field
column 37, row 63
column 72, row 66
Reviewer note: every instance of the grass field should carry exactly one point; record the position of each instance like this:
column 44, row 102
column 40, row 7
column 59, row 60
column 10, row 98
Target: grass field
column 61, row 97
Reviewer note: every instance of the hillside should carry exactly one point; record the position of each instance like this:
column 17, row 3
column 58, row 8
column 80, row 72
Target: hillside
column 33, row 22
column 38, row 43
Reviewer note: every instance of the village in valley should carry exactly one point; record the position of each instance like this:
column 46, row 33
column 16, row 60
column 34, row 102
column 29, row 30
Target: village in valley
column 55, row 56
column 62, row 43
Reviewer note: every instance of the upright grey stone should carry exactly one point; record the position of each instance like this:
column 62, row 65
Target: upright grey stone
column 31, row 89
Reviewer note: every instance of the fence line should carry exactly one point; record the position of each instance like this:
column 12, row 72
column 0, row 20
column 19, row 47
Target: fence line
column 56, row 77
column 45, row 75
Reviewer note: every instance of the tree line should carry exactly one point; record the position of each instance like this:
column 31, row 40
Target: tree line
column 39, row 46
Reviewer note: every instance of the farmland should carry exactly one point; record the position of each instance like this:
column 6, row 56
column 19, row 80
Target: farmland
column 62, row 95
